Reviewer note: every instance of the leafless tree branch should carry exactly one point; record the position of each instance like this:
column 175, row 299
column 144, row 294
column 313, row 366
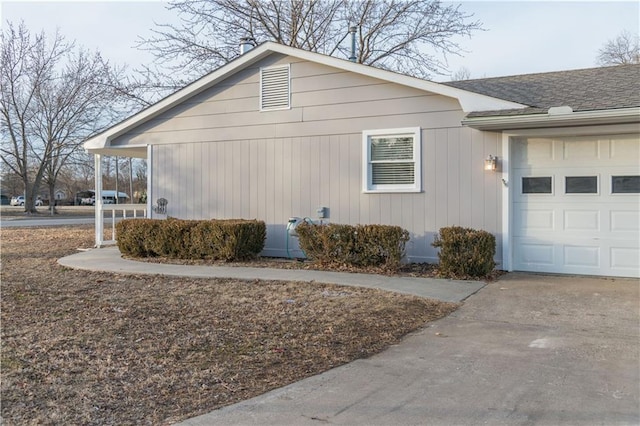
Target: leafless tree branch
column 624, row 49
column 407, row 36
column 52, row 97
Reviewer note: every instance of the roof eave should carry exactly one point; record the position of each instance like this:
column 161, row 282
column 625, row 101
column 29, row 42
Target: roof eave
column 469, row 101
column 136, row 151
column 102, row 140
column 532, row 121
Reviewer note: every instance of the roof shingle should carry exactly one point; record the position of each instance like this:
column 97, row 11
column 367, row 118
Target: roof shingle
column 583, row 90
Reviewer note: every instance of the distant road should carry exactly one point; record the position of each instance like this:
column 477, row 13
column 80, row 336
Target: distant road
column 13, row 217
column 16, row 223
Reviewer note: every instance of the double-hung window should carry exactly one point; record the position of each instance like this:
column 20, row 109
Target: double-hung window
column 391, row 160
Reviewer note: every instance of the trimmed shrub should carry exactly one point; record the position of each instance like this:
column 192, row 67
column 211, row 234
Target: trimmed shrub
column 133, row 236
column 360, row 245
column 229, row 240
column 465, row 252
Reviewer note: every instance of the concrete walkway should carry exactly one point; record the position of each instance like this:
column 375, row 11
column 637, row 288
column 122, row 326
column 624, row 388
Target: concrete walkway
column 108, row 259
column 526, row 350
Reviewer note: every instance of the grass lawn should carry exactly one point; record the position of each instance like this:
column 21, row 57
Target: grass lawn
column 96, row 348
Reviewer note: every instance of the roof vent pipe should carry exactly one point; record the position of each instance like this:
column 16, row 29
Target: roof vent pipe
column 353, row 30
column 246, row 44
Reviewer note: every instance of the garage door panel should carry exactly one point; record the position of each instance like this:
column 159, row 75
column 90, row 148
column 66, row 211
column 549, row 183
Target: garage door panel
column 625, row 221
column 552, row 256
column 583, row 256
column 581, row 150
column 538, row 254
column 547, row 222
column 625, row 258
column 532, row 220
column 624, row 148
column 581, row 220
column 535, row 150
column 582, row 223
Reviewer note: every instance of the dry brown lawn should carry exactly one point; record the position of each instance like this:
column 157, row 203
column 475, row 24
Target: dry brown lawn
column 95, row 348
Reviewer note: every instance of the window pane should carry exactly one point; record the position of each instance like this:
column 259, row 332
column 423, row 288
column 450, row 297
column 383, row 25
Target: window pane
column 581, row 185
column 536, row 185
column 625, row 184
column 392, row 173
column 391, row 148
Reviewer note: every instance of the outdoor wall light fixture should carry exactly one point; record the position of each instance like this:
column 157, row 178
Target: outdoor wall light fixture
column 491, row 163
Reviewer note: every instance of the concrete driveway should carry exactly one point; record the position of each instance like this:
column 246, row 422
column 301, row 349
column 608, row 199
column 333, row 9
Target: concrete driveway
column 528, row 349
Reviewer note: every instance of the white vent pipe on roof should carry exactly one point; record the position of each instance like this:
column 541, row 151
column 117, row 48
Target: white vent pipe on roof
column 246, row 44
column 353, row 31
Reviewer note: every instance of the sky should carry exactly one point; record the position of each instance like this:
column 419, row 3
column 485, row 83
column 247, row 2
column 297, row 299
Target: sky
column 519, row 37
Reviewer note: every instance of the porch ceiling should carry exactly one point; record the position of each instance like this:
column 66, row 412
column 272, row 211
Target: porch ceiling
column 132, row 151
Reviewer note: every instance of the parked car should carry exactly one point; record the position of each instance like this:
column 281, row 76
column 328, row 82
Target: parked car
column 19, row 201
column 92, row 201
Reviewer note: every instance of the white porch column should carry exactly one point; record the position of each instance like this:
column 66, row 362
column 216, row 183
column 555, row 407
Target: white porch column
column 149, row 181
column 99, row 225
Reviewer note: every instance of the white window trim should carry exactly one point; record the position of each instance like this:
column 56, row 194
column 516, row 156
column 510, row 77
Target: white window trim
column 367, row 186
column 537, row 194
column 288, row 67
column 582, row 194
column 621, row 194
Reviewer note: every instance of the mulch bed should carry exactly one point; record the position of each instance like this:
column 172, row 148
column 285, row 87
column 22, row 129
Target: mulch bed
column 419, row 270
column 96, row 348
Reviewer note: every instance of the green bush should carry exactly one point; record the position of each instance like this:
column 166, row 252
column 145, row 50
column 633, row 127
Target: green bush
column 360, row 245
column 229, row 240
column 465, row 252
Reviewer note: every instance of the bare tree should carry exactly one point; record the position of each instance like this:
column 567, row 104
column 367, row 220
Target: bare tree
column 624, row 49
column 463, row 73
column 405, row 36
column 52, row 97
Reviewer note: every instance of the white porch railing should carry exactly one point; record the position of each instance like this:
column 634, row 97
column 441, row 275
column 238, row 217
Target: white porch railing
column 118, row 212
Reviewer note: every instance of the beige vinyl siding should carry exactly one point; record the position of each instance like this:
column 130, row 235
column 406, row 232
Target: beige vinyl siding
column 229, row 130
column 274, row 179
column 217, row 156
column 319, row 94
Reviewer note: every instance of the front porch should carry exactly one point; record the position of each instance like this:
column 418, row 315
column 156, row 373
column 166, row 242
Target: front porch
column 115, row 212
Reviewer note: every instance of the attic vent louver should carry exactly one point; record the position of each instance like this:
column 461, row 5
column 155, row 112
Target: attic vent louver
column 274, row 88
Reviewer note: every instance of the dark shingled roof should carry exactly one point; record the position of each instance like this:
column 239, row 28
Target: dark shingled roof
column 583, row 90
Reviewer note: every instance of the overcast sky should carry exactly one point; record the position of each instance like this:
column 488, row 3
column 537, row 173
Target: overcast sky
column 521, row 37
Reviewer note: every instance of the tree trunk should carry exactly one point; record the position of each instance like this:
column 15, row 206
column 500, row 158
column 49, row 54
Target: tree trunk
column 52, row 199
column 29, row 199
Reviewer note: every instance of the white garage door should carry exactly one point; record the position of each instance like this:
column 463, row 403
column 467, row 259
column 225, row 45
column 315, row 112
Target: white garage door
column 576, row 205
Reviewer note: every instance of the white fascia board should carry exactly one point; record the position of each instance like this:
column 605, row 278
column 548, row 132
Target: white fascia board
column 136, row 151
column 469, row 101
column 102, row 140
column 580, row 118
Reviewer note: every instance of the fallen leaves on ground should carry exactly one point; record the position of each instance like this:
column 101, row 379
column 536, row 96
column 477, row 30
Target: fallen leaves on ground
column 95, row 348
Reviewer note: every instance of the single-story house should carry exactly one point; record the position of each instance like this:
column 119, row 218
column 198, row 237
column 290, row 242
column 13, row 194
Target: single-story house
column 549, row 163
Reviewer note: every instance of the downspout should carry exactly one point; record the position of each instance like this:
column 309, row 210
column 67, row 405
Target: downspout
column 99, row 225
